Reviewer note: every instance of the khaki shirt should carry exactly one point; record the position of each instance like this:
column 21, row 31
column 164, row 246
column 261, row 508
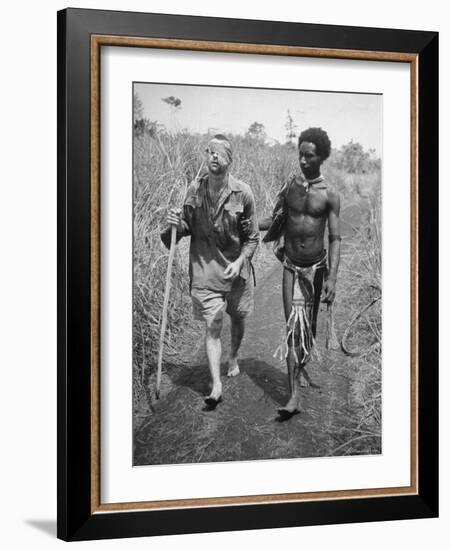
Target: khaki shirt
column 216, row 235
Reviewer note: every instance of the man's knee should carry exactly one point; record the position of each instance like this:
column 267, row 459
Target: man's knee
column 240, row 301
column 213, row 331
column 237, row 320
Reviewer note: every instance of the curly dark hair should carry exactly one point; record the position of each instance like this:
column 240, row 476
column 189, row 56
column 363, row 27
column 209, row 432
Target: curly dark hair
column 320, row 139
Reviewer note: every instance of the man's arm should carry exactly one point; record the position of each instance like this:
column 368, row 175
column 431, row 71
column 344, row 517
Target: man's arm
column 178, row 218
column 334, row 251
column 250, row 238
column 266, row 222
column 263, row 224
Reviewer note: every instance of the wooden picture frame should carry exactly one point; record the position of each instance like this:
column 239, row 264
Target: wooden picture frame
column 81, row 35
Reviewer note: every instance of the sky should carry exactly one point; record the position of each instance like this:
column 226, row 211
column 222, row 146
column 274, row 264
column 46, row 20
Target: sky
column 345, row 116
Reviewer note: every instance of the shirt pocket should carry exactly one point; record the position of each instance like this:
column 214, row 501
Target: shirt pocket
column 234, row 208
column 234, row 212
column 195, row 217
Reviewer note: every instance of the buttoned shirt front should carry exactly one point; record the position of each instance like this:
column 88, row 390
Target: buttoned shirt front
column 215, row 230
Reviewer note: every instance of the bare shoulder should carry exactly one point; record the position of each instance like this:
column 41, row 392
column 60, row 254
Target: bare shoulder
column 333, row 196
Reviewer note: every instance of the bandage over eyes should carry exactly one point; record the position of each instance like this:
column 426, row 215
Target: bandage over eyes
column 223, row 148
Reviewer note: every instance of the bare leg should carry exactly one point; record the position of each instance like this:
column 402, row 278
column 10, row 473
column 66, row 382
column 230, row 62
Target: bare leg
column 237, row 333
column 293, row 405
column 305, row 379
column 213, row 353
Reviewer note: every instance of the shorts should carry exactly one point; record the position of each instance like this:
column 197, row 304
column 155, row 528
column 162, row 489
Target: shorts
column 210, row 305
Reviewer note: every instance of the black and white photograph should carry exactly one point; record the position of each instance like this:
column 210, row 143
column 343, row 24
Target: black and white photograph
column 257, row 274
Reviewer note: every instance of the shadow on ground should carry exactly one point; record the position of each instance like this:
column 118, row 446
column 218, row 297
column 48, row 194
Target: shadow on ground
column 47, row 526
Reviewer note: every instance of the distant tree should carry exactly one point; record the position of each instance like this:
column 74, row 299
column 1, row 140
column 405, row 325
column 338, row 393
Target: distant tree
column 291, row 128
column 138, row 108
column 144, row 126
column 352, row 158
column 173, row 102
column 256, row 131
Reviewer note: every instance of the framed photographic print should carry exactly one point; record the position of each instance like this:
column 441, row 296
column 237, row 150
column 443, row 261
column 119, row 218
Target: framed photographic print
column 247, row 255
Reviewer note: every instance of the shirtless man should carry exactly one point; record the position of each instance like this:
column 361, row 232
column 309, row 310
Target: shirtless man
column 304, row 207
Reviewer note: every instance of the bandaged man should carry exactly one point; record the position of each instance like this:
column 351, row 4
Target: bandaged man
column 304, row 207
column 220, row 254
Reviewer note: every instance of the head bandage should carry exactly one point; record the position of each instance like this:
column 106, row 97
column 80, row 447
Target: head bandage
column 222, row 147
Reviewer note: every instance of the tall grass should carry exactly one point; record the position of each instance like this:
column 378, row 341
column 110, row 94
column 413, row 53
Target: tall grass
column 362, row 337
column 163, row 167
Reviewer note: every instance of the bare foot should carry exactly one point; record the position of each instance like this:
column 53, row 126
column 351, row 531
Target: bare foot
column 233, row 368
column 290, row 409
column 305, row 380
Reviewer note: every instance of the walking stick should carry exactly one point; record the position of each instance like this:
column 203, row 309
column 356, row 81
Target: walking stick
column 173, row 235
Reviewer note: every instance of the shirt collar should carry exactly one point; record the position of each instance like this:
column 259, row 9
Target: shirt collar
column 232, row 183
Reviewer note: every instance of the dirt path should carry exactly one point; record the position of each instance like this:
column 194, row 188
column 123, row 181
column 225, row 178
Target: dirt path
column 245, row 426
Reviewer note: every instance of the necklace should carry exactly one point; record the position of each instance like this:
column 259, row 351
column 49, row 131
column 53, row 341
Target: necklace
column 307, row 183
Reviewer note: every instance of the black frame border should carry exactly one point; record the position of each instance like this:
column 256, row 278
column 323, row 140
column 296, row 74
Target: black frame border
column 75, row 520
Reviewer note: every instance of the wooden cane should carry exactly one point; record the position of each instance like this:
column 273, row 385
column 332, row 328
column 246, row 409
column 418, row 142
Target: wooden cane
column 173, row 235
column 173, row 238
